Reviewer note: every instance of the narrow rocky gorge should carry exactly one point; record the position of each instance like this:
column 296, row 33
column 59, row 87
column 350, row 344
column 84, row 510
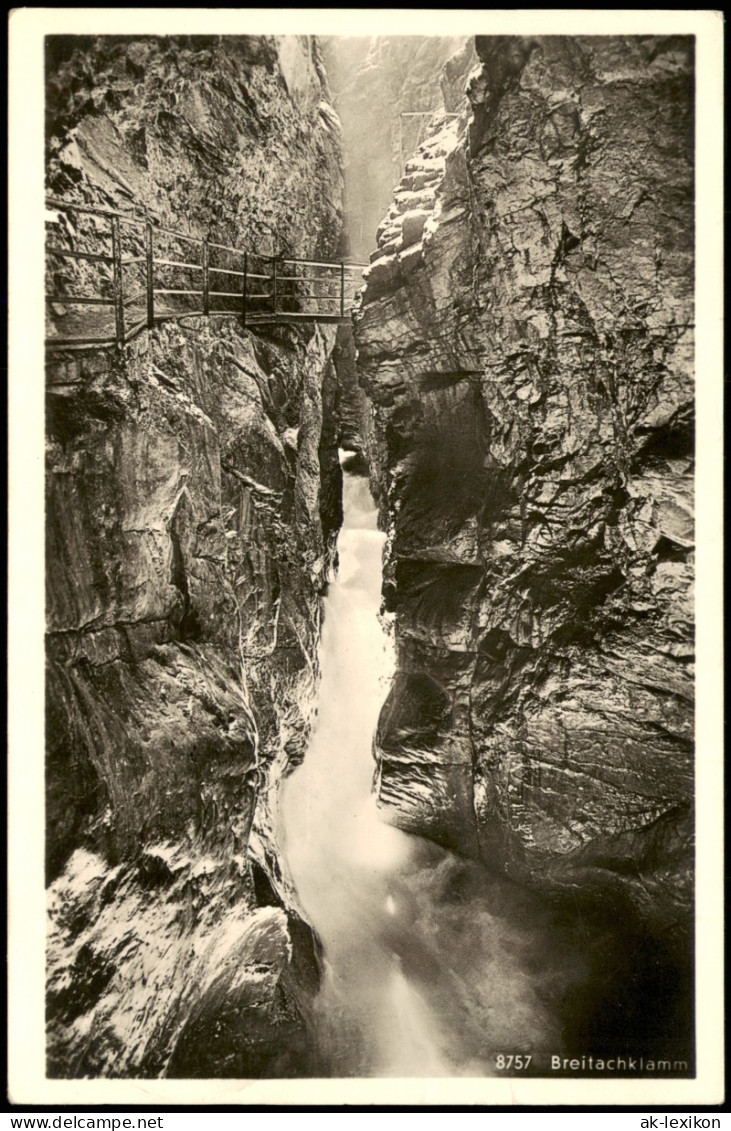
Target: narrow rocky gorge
column 518, row 385
column 389, row 91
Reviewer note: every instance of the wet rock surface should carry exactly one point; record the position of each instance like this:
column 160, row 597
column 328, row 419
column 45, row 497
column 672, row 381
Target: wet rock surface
column 526, row 340
column 189, row 539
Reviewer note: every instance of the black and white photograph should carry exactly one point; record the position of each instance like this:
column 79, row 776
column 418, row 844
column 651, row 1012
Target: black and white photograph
column 362, row 740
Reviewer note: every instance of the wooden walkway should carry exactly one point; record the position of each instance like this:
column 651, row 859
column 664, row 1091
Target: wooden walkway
column 136, row 274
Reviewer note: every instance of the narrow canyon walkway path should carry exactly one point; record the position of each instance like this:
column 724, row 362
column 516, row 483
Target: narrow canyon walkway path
column 430, row 968
column 137, row 274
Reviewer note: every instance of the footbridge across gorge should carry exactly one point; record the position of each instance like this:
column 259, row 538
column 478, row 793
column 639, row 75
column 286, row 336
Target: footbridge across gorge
column 130, row 273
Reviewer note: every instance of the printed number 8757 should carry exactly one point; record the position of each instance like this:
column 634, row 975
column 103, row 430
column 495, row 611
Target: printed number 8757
column 519, row 1063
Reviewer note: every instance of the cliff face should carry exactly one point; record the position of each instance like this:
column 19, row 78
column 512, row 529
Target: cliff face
column 526, row 339
column 228, row 133
column 188, row 541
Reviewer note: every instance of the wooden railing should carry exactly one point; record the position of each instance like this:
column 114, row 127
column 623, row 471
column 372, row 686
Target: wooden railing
column 140, row 273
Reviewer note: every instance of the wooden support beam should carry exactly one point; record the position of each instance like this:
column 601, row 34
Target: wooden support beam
column 206, row 278
column 243, row 292
column 117, row 282
column 150, row 274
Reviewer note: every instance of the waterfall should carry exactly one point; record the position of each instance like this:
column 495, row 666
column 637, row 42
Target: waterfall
column 429, row 967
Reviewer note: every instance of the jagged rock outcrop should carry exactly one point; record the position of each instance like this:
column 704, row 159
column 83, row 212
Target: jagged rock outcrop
column 188, row 542
column 526, row 339
column 374, row 80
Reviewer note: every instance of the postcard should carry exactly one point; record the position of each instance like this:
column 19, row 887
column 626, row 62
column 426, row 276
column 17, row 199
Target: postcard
column 365, row 557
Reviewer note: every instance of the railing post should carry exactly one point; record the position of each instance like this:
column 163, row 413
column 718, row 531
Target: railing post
column 342, row 290
column 274, row 286
column 150, row 263
column 243, row 294
column 206, row 278
column 117, row 283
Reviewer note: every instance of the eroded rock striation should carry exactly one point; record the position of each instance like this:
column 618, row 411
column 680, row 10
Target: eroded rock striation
column 191, row 510
column 526, row 340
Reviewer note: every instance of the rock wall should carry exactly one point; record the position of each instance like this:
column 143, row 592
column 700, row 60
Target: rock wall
column 188, row 542
column 232, row 134
column 526, row 339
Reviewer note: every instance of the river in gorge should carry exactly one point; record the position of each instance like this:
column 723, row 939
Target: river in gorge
column 432, row 967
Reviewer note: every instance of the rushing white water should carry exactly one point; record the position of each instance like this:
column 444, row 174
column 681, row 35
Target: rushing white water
column 421, row 978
